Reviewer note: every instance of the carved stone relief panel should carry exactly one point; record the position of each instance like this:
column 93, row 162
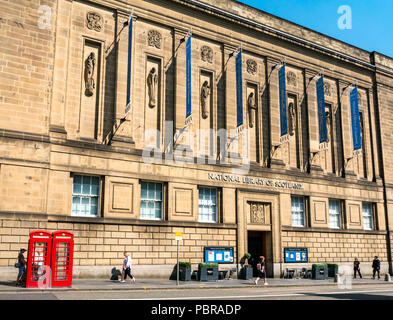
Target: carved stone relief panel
column 327, row 88
column 154, row 39
column 260, row 212
column 94, row 21
column 207, row 54
column 252, row 66
column 291, row 78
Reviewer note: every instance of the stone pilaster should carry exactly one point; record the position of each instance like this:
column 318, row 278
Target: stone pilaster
column 59, row 92
column 313, row 129
column 272, row 67
column 123, row 137
column 345, row 107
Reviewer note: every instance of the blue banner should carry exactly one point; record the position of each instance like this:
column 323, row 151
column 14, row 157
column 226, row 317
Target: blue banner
column 239, row 89
column 283, row 102
column 130, row 22
column 321, row 111
column 356, row 132
column 188, row 80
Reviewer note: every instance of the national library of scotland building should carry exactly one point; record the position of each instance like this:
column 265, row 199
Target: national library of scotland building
column 124, row 122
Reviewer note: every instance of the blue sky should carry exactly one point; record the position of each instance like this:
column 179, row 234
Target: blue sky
column 372, row 20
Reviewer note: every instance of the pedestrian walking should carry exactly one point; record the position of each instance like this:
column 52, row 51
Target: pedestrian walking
column 261, row 271
column 376, row 267
column 356, row 268
column 127, row 265
column 21, row 265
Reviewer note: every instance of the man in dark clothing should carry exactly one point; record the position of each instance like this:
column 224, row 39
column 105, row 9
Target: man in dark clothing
column 356, row 268
column 22, row 266
column 376, row 267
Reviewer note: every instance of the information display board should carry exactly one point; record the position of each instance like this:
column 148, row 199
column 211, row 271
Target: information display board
column 295, row 255
column 219, row 254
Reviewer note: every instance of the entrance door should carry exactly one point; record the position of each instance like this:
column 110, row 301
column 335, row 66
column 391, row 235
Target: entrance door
column 256, row 247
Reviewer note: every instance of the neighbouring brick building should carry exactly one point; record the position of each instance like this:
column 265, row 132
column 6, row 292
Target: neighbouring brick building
column 63, row 85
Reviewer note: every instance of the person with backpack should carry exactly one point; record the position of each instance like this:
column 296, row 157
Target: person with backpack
column 127, row 264
column 376, row 267
column 261, row 271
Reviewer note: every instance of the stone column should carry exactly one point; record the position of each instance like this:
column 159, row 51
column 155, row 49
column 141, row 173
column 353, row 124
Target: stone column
column 59, row 91
column 346, row 126
column 272, row 67
column 182, row 139
column 313, row 127
column 123, row 137
column 373, row 142
column 233, row 152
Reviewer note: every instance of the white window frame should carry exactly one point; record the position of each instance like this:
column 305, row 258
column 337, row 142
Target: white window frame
column 298, row 211
column 89, row 196
column 206, row 205
column 368, row 216
column 153, row 200
column 335, row 213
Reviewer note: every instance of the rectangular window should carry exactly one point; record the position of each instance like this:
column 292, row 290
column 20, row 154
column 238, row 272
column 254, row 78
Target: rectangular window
column 151, row 201
column 368, row 216
column 335, row 214
column 207, row 204
column 298, row 214
column 85, row 195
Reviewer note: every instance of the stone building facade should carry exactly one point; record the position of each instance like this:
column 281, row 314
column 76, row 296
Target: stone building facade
column 70, row 160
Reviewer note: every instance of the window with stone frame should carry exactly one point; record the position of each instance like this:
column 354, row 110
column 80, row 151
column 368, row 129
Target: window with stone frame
column 85, row 196
column 151, row 207
column 335, row 214
column 208, row 204
column 298, row 207
column 368, row 216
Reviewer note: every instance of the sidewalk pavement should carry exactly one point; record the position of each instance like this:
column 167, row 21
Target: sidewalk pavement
column 162, row 284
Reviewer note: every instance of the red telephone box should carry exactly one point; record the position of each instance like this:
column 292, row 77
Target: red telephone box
column 38, row 259
column 62, row 258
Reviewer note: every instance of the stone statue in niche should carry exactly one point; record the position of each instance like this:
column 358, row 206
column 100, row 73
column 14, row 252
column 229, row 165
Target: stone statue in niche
column 205, row 94
column 328, row 124
column 152, row 81
column 251, row 108
column 292, row 118
column 90, row 64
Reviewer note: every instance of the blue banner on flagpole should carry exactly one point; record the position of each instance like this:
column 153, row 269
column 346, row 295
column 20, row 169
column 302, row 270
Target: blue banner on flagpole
column 188, row 80
column 321, row 111
column 239, row 89
column 130, row 22
column 283, row 102
column 356, row 132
